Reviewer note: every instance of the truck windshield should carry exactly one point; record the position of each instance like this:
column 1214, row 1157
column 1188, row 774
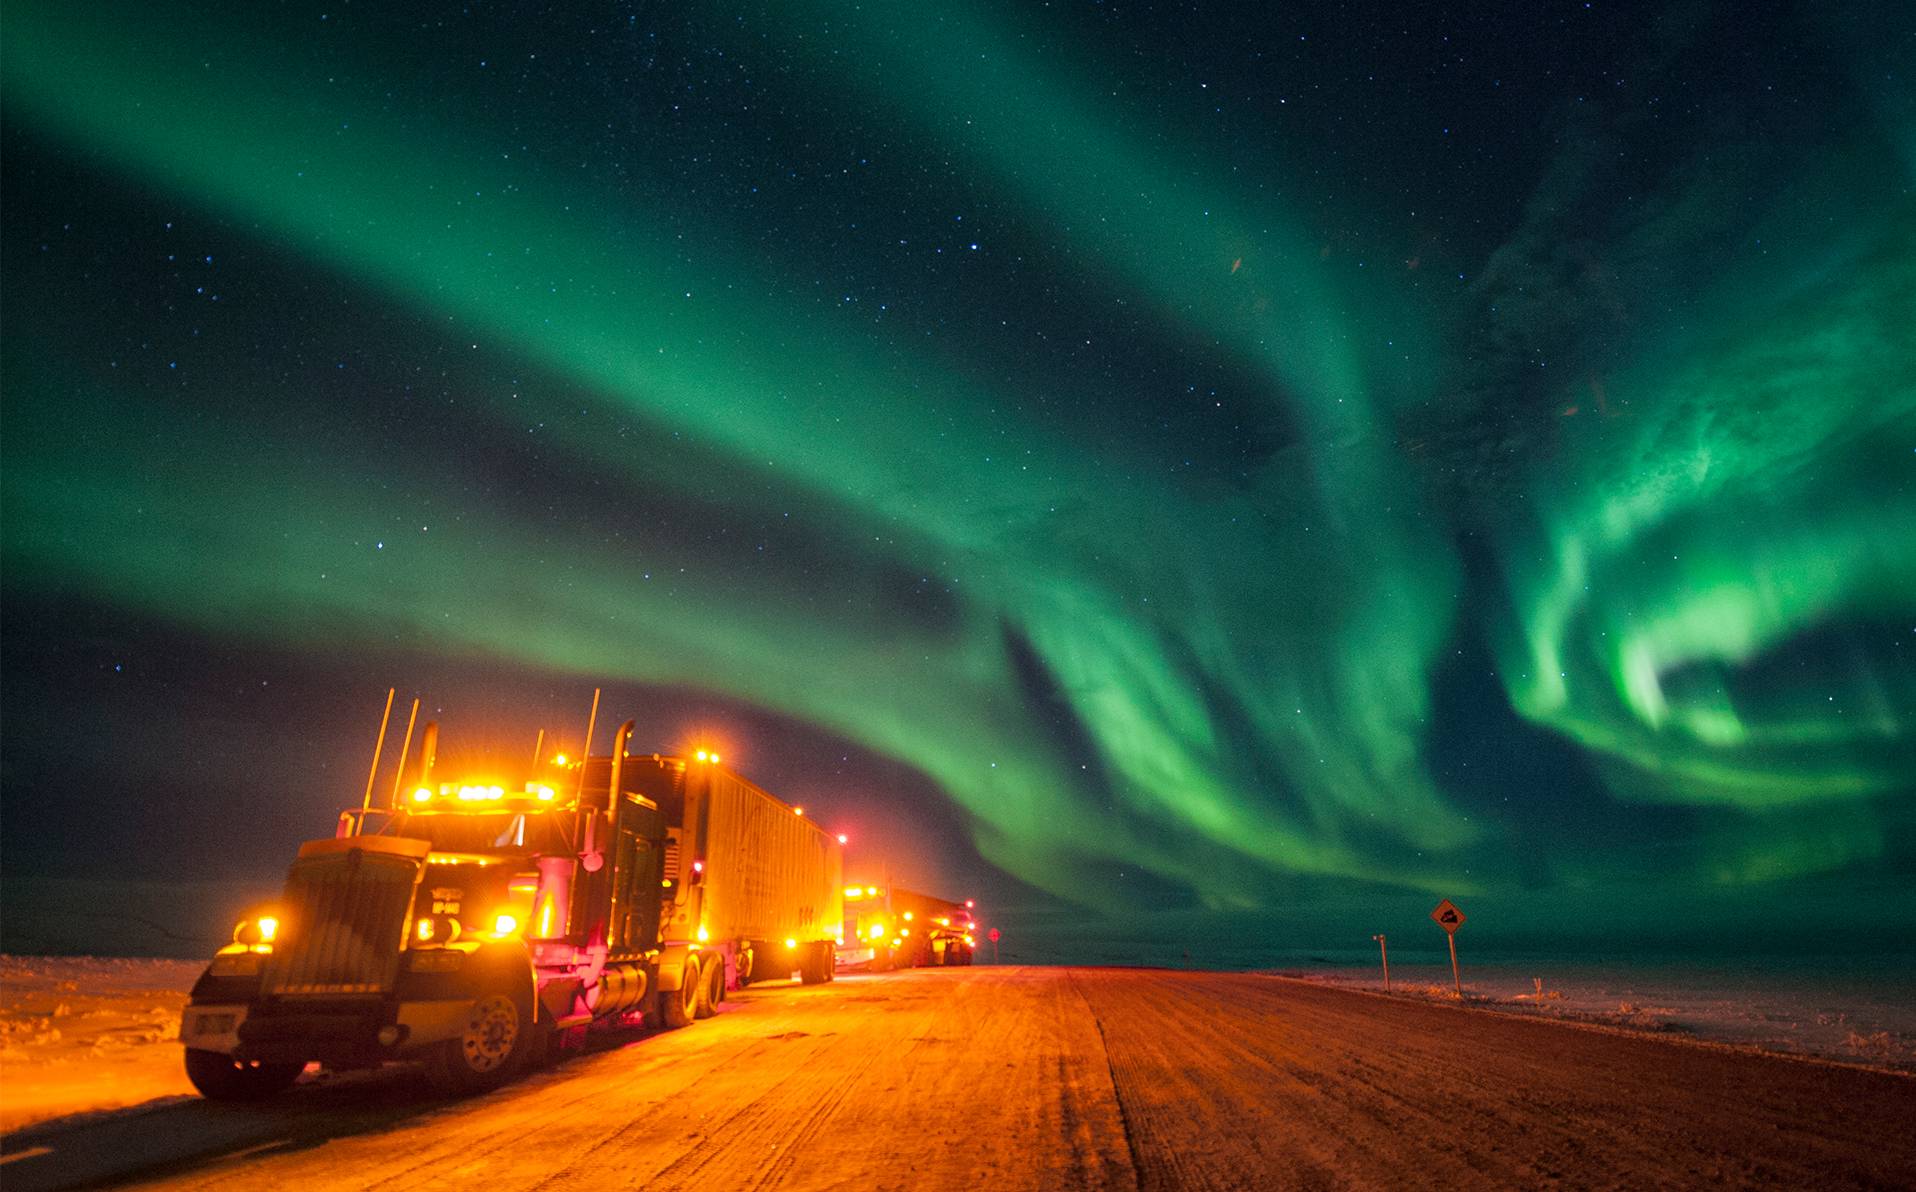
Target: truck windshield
column 518, row 833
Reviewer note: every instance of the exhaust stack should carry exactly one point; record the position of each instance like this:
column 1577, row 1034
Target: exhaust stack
column 428, row 752
column 405, row 751
column 618, row 765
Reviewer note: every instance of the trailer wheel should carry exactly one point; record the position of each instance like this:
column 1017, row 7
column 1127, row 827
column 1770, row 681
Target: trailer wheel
column 677, row 1007
column 222, row 1078
column 747, row 962
column 490, row 1047
column 817, row 967
column 711, row 987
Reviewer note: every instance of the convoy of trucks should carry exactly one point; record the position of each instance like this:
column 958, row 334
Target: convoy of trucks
column 889, row 927
column 470, row 925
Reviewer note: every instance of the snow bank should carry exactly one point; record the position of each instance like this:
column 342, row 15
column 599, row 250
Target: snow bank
column 86, row 1033
column 1790, row 1012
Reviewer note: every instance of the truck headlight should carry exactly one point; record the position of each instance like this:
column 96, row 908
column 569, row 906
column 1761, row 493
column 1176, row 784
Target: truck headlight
column 435, row 929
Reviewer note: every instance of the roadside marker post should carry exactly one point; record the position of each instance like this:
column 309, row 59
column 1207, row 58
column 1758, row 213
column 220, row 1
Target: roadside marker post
column 1448, row 917
column 992, row 935
column 1381, row 951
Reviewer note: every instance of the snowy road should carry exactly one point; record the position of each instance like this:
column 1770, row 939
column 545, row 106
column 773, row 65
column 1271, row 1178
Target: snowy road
column 1008, row 1078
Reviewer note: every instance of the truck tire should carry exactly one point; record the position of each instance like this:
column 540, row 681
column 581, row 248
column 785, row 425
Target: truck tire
column 222, row 1078
column 711, row 987
column 817, row 967
column 489, row 1049
column 831, row 961
column 677, row 1007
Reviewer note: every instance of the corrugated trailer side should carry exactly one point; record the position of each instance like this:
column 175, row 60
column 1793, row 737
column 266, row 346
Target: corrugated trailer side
column 770, row 874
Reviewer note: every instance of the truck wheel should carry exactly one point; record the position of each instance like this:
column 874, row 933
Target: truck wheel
column 747, row 961
column 223, row 1078
column 677, row 1007
column 711, row 988
column 489, row 1049
column 817, row 967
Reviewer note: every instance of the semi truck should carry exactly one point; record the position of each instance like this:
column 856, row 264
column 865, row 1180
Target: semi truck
column 890, row 927
column 471, row 926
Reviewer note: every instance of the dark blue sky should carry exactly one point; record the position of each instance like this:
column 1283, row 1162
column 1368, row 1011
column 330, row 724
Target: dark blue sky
column 1166, row 461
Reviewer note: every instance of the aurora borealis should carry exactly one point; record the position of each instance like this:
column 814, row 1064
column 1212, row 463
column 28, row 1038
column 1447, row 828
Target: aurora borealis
column 1322, row 459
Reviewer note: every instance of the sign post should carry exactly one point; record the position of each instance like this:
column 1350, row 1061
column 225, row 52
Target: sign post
column 992, row 935
column 1386, row 955
column 1448, row 917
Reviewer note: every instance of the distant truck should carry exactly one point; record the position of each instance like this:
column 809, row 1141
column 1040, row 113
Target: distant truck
column 888, row 927
column 470, row 925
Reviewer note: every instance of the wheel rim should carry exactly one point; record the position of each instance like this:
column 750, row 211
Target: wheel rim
column 492, row 1030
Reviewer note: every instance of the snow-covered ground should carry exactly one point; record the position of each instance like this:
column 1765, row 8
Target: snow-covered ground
column 1791, row 1009
column 84, row 1033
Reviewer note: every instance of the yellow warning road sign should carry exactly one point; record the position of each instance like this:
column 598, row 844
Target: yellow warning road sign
column 1448, row 916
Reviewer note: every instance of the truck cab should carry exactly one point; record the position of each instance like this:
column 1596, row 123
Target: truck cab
column 466, row 926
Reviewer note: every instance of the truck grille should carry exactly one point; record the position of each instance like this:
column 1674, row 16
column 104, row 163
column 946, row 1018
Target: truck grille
column 344, row 923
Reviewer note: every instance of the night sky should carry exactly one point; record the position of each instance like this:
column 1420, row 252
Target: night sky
column 1207, row 474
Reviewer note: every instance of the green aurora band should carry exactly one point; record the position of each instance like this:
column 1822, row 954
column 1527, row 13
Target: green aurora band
column 1249, row 668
